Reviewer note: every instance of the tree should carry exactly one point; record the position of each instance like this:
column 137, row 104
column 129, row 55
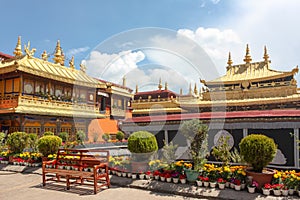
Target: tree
column 120, row 136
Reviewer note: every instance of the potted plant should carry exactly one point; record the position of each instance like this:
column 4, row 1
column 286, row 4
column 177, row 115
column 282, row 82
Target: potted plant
column 196, row 133
column 221, row 183
column 142, row 145
column 182, row 178
column 266, row 189
column 175, row 177
column 258, row 151
column 252, row 185
column 277, row 189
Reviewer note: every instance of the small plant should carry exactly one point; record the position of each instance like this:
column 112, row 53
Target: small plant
column 64, row 136
column 17, row 141
column 258, row 151
column 49, row 144
column 80, row 136
column 168, row 152
column 222, row 150
column 105, row 137
column 120, row 136
column 48, row 133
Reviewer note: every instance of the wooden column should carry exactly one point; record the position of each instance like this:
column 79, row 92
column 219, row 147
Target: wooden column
column 296, row 147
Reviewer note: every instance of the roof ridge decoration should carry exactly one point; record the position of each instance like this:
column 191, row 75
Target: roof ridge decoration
column 248, row 58
column 45, row 56
column 18, row 49
column 59, row 57
column 29, row 53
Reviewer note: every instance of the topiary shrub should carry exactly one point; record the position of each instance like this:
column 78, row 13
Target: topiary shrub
column 80, row 137
column 258, row 151
column 142, row 142
column 17, row 141
column 49, row 144
column 48, row 133
column 105, row 137
column 120, row 136
column 64, row 136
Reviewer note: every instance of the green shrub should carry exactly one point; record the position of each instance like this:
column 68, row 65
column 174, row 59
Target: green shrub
column 48, row 133
column 64, row 136
column 80, row 137
column 95, row 137
column 17, row 141
column 2, row 137
column 120, row 136
column 105, row 136
column 32, row 140
column 49, row 144
column 142, row 142
column 257, row 150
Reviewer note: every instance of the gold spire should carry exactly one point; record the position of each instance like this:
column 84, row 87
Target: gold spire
column 229, row 62
column 59, row 57
column 71, row 63
column 136, row 88
column 248, row 58
column 45, row 56
column 124, row 81
column 181, row 92
column 190, row 89
column 159, row 84
column 166, row 86
column 266, row 56
column 195, row 89
column 18, row 49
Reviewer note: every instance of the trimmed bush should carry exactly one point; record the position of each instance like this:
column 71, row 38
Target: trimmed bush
column 48, row 133
column 17, row 141
column 120, row 136
column 64, row 136
column 105, row 137
column 49, row 144
column 142, row 142
column 257, row 150
column 80, row 137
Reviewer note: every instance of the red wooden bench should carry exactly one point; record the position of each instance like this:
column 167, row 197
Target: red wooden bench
column 74, row 166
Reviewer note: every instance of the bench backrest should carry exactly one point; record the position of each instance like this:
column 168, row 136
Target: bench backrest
column 81, row 158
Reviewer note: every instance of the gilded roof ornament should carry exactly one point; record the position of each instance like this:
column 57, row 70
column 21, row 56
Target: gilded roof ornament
column 136, row 88
column 166, row 86
column 195, row 89
column 248, row 58
column 58, row 55
column 181, row 92
column 229, row 62
column 190, row 89
column 71, row 63
column 45, row 56
column 266, row 56
column 29, row 52
column 82, row 67
column 159, row 84
column 18, row 49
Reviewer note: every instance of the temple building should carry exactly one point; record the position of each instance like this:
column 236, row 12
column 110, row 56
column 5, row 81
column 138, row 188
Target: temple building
column 250, row 98
column 37, row 95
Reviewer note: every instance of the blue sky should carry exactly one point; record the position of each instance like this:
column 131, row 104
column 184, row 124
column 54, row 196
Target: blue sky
column 218, row 26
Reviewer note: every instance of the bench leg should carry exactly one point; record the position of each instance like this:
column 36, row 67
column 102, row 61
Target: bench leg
column 68, row 182
column 44, row 179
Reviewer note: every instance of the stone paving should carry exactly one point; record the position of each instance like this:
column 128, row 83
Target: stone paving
column 185, row 190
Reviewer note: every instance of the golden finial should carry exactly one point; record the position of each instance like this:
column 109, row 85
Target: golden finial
column 190, row 89
column 181, row 92
column 248, row 58
column 124, row 81
column 45, row 56
column 266, row 56
column 18, row 49
column 229, row 62
column 58, row 54
column 29, row 52
column 82, row 67
column 159, row 84
column 166, row 86
column 136, row 88
column 195, row 89
column 71, row 63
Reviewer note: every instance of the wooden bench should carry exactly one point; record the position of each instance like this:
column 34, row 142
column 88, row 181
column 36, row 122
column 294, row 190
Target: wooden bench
column 74, row 166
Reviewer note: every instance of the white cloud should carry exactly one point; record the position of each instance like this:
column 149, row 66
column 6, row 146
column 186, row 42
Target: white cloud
column 215, row 1
column 75, row 51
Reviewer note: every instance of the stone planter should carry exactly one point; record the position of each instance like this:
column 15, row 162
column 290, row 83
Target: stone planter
column 261, row 178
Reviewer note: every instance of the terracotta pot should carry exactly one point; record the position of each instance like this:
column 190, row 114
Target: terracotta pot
column 261, row 178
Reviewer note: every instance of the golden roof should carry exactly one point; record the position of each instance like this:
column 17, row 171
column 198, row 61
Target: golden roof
column 42, row 68
column 257, row 71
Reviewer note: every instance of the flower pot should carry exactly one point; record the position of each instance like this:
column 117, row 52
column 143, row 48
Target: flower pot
column 243, row 186
column 261, row 178
column 169, row 179
column 129, row 175
column 237, row 187
column 251, row 189
column 124, row 174
column 298, row 193
column 133, row 176
column 141, row 176
column 183, row 181
column 232, row 185
column 285, row 192
column 221, row 186
column 266, row 191
column 156, row 177
column 162, row 178
column 119, row 174
column 199, row 183
column 175, row 180
column 206, row 184
column 291, row 191
column 147, row 177
column 212, row 184
column 277, row 192
column 227, row 184
column 191, row 175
